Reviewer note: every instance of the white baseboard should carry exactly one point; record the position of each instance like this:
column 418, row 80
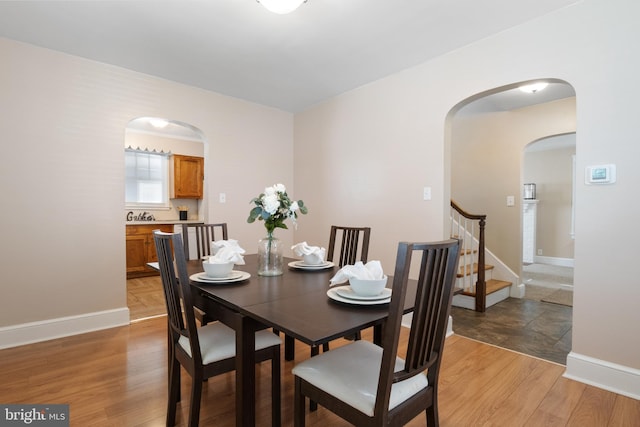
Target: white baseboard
column 406, row 322
column 517, row 291
column 28, row 333
column 469, row 302
column 602, row 374
column 549, row 260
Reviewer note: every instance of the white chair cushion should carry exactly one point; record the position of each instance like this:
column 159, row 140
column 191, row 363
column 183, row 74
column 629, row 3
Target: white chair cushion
column 351, row 373
column 218, row 342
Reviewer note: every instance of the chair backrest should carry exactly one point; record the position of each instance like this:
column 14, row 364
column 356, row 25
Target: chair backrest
column 434, row 292
column 204, row 235
column 349, row 243
column 177, row 290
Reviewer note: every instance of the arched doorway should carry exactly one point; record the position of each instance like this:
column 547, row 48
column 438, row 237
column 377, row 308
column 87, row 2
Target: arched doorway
column 488, row 133
column 158, row 153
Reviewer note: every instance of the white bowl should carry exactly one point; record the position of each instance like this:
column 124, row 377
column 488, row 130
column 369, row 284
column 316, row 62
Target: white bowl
column 368, row 287
column 312, row 259
column 217, row 269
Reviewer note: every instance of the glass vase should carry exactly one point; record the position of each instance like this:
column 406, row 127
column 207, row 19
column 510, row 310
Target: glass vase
column 269, row 256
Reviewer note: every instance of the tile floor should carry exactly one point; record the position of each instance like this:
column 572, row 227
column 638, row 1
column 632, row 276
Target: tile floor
column 525, row 325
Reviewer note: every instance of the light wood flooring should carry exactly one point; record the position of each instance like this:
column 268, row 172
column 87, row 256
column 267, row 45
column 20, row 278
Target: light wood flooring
column 145, row 297
column 117, row 377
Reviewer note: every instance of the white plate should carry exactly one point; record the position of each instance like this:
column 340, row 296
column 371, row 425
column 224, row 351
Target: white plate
column 333, row 294
column 347, row 292
column 234, row 276
column 302, row 266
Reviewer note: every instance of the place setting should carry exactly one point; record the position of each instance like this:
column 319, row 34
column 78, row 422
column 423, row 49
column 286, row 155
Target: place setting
column 367, row 285
column 218, row 268
column 313, row 258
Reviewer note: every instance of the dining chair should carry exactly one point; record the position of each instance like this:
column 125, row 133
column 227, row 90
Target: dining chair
column 204, row 235
column 368, row 385
column 350, row 240
column 206, row 351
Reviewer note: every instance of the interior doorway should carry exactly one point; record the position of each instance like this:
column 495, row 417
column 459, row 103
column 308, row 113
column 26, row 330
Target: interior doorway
column 489, row 132
column 548, row 219
column 156, row 145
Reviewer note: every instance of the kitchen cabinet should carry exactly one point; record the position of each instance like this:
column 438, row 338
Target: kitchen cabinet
column 141, row 249
column 188, row 177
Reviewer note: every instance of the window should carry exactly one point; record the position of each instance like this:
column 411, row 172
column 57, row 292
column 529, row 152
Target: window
column 146, row 179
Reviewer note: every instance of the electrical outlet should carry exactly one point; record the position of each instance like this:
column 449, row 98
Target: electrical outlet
column 223, row 198
column 539, row 251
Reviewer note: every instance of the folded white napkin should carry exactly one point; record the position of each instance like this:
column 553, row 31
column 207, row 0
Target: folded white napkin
column 369, row 271
column 225, row 251
column 311, row 254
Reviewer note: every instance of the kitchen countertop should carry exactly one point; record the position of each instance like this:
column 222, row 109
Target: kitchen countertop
column 164, row 221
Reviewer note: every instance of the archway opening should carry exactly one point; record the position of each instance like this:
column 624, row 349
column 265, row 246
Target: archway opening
column 487, row 133
column 165, row 161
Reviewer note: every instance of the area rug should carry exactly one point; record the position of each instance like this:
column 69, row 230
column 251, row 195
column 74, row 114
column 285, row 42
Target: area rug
column 561, row 296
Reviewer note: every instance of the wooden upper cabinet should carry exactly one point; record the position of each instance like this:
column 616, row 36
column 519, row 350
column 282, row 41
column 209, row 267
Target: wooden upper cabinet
column 188, row 177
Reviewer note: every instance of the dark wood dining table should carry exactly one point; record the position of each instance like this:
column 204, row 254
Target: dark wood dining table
column 295, row 303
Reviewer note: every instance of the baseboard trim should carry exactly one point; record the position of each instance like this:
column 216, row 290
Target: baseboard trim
column 549, row 260
column 407, row 318
column 602, row 374
column 29, row 333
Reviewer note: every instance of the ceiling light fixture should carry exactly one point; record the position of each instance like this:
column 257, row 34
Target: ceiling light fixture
column 533, row 88
column 281, row 6
column 158, row 123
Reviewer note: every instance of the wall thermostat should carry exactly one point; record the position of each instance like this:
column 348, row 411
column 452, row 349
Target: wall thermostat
column 601, row 174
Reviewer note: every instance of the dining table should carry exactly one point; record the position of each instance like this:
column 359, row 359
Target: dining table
column 299, row 303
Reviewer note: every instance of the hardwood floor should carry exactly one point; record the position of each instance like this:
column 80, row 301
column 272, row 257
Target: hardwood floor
column 145, row 297
column 117, row 377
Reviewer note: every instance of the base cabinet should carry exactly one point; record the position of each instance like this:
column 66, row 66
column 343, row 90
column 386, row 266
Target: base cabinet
column 141, row 249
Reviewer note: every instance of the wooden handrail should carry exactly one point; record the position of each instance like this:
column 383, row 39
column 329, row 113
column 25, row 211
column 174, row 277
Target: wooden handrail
column 481, row 284
column 465, row 214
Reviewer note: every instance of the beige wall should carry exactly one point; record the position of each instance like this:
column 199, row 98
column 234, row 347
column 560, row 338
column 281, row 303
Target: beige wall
column 62, row 169
column 487, row 152
column 361, row 157
column 364, row 156
column 551, row 170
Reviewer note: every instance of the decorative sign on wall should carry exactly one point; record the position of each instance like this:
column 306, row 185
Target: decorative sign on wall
column 144, row 216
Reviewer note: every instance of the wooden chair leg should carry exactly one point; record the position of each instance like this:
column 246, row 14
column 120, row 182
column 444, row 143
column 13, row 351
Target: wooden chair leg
column 196, row 396
column 313, row 406
column 298, row 405
column 432, row 413
column 276, row 417
column 173, row 392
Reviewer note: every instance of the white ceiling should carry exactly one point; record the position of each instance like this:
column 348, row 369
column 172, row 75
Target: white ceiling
column 237, row 48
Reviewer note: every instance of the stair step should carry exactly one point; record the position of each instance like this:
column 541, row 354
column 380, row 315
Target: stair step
column 464, row 252
column 493, row 285
column 466, row 270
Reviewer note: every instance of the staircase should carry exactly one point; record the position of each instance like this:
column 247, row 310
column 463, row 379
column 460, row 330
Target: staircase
column 477, row 288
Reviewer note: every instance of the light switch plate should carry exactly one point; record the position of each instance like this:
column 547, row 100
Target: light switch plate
column 511, row 201
column 223, row 198
column 426, row 193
